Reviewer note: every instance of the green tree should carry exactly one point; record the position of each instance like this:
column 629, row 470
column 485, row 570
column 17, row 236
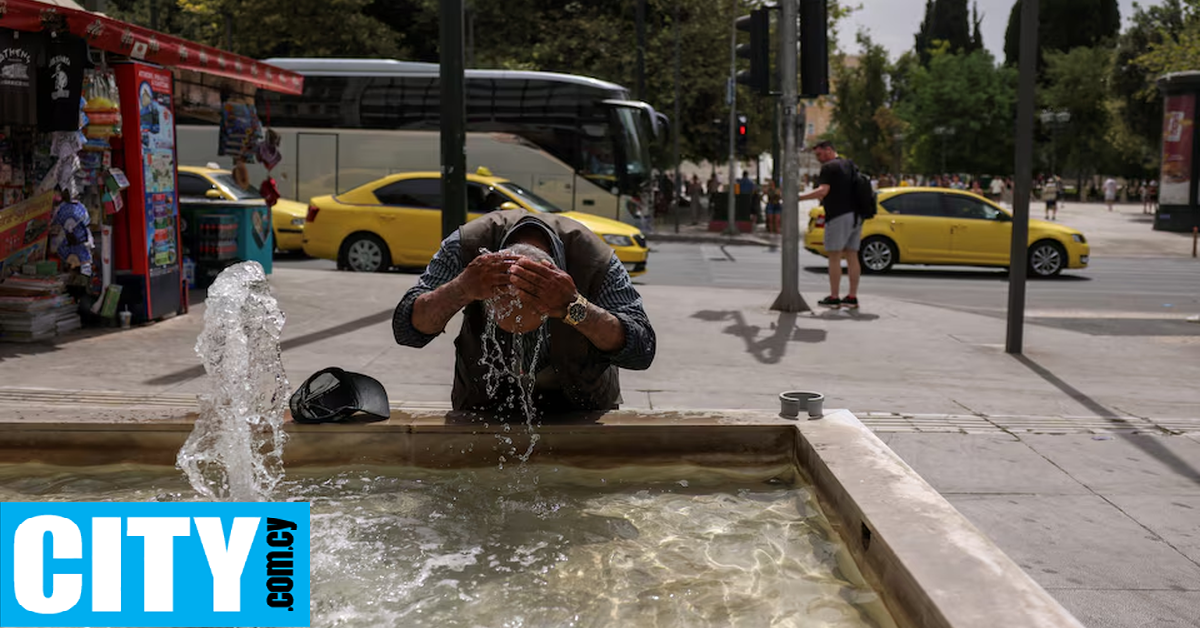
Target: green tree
column 1064, row 25
column 969, row 95
column 861, row 91
column 948, row 21
column 1077, row 82
column 977, row 32
column 1137, row 109
column 310, row 28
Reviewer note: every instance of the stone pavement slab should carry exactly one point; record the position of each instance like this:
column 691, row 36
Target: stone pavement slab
column 1174, row 518
column 1134, row 464
column 1100, row 608
column 982, row 464
column 1078, row 541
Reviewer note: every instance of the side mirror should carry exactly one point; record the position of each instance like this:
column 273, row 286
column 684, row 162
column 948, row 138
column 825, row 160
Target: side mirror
column 214, row 194
column 1004, row 217
column 506, row 205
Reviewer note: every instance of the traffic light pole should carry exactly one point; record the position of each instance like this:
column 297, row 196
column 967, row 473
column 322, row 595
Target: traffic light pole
column 1019, row 247
column 454, row 118
column 731, row 226
column 789, row 299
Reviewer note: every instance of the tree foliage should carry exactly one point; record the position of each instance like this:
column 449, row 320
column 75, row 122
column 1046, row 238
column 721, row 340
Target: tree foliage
column 310, row 28
column 1063, row 25
column 970, row 95
column 1137, row 107
column 1077, row 82
column 948, row 21
column 863, row 126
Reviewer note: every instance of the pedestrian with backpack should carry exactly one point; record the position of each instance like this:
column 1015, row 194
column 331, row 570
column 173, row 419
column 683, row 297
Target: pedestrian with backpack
column 848, row 200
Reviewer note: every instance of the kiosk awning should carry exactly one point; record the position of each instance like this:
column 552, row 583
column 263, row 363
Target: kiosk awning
column 133, row 41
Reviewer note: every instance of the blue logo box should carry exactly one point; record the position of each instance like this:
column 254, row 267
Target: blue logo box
column 154, row 564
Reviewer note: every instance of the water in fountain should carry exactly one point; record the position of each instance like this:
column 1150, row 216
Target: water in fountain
column 235, row 451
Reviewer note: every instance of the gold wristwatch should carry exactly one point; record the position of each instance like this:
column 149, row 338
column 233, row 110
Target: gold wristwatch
column 576, row 311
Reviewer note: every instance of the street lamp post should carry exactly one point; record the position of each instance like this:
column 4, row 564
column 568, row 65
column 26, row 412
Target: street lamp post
column 1055, row 120
column 944, row 132
column 899, row 137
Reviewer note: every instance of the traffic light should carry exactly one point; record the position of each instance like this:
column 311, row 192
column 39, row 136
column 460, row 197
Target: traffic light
column 814, row 49
column 741, row 134
column 758, row 51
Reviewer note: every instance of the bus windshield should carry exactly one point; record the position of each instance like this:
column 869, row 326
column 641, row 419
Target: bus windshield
column 635, row 146
column 533, row 200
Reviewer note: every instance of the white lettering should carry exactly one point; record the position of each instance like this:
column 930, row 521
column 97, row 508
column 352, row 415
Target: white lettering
column 227, row 563
column 106, row 564
column 160, row 533
column 65, row 542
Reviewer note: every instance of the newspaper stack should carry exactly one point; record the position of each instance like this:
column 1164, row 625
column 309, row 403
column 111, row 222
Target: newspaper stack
column 35, row 309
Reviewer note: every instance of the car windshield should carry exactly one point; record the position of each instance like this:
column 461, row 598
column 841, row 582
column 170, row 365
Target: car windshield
column 227, row 182
column 533, row 200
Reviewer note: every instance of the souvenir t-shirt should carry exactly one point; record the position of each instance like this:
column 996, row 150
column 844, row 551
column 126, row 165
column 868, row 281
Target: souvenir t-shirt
column 60, row 84
column 19, row 56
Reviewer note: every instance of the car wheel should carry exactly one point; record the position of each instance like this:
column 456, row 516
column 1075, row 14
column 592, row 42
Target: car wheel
column 877, row 255
column 365, row 253
column 1046, row 259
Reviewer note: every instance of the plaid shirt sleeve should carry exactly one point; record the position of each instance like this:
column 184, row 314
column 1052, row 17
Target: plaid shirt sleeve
column 446, row 265
column 621, row 299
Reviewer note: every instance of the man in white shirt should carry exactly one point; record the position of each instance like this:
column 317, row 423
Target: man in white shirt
column 997, row 188
column 1110, row 192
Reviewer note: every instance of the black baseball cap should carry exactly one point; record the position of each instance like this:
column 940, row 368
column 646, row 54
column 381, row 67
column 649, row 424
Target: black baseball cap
column 823, row 144
column 334, row 395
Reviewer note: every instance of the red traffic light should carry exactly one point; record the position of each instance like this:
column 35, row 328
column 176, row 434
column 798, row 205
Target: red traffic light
column 742, row 129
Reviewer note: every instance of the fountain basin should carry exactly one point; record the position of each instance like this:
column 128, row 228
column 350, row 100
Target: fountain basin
column 931, row 567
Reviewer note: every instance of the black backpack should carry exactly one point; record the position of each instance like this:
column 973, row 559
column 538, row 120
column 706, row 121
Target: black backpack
column 864, row 196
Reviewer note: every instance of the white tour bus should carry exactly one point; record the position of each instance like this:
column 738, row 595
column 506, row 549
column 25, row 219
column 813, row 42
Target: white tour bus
column 576, row 141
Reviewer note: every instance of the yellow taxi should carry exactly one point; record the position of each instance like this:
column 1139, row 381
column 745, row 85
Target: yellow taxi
column 212, row 183
column 920, row 225
column 397, row 221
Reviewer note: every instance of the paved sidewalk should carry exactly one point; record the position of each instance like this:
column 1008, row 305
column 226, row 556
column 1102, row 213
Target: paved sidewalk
column 1081, row 459
column 1124, row 232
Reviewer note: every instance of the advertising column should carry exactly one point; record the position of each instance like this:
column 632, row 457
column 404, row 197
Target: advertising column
column 1178, row 119
column 152, row 282
column 1177, row 208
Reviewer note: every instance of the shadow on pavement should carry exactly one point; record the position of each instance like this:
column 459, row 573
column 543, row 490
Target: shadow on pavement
column 291, row 343
column 844, row 315
column 938, row 273
column 1152, row 446
column 769, row 349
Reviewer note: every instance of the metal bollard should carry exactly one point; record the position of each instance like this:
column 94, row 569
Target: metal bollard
column 791, row 403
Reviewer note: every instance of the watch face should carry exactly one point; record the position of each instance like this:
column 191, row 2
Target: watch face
column 576, row 311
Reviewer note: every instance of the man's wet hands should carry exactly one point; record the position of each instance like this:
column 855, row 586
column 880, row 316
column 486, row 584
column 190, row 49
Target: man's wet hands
column 542, row 285
column 487, row 275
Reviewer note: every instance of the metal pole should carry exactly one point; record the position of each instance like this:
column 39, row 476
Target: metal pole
column 153, row 15
column 789, row 299
column 229, row 32
column 775, row 142
column 675, row 127
column 641, row 51
column 1017, row 265
column 454, row 118
column 731, row 226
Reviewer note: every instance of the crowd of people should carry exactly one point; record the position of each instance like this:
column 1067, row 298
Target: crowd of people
column 698, row 196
